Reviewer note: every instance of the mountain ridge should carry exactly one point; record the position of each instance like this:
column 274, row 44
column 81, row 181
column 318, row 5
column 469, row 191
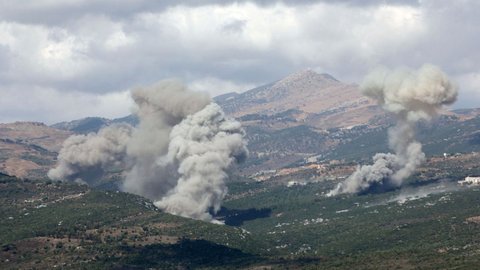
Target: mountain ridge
column 301, row 115
column 320, row 100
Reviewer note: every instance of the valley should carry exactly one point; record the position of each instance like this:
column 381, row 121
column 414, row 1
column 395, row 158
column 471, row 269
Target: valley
column 427, row 223
column 276, row 214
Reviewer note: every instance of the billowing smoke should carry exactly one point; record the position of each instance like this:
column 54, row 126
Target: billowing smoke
column 84, row 158
column 203, row 146
column 159, row 108
column 411, row 97
column 178, row 155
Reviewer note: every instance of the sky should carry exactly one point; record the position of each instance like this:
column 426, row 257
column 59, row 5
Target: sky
column 67, row 59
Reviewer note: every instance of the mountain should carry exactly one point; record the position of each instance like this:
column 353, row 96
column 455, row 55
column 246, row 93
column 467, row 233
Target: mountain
column 303, row 115
column 29, row 149
column 34, row 133
column 84, row 125
column 276, row 217
column 93, row 124
column 299, row 116
column 302, row 98
column 305, row 97
column 309, row 115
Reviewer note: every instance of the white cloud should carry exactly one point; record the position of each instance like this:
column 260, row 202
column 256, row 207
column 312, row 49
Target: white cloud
column 76, row 48
column 470, row 84
column 215, row 86
column 39, row 55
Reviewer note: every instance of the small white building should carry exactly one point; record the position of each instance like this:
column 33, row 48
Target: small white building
column 470, row 181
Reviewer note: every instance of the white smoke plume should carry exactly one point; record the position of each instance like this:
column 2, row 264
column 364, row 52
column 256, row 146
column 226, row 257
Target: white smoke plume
column 84, row 158
column 411, row 97
column 178, row 155
column 203, row 146
column 159, row 108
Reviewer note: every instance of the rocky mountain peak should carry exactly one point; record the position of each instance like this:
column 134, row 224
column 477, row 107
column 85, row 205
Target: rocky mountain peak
column 308, row 75
column 316, row 99
column 303, row 83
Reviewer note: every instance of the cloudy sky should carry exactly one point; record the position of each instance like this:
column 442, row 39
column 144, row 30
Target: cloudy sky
column 67, row 59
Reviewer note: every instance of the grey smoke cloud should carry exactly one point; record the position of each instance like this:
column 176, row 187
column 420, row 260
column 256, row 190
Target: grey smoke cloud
column 84, row 158
column 178, row 155
column 202, row 146
column 159, row 108
column 411, row 97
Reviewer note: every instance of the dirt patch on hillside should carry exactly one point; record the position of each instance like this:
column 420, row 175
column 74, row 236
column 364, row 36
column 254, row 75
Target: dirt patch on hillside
column 18, row 167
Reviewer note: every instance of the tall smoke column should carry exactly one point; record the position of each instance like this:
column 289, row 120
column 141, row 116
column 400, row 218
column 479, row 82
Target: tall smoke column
column 411, row 97
column 83, row 158
column 204, row 146
column 159, row 108
column 178, row 155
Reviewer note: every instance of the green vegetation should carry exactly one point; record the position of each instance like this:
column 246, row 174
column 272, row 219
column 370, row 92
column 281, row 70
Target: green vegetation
column 347, row 231
column 51, row 223
column 445, row 135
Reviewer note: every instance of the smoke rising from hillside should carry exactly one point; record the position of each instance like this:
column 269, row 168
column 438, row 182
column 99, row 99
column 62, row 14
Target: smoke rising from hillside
column 203, row 146
column 84, row 158
column 177, row 156
column 412, row 97
column 159, row 108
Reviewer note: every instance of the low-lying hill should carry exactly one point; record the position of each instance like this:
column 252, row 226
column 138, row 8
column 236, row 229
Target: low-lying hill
column 29, row 149
column 34, row 133
column 47, row 225
column 93, row 124
column 427, row 224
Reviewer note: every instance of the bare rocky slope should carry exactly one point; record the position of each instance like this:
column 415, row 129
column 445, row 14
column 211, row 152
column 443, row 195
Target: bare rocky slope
column 305, row 97
column 29, row 149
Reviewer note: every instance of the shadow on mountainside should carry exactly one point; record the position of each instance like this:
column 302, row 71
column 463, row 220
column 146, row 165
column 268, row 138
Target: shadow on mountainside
column 236, row 217
column 188, row 254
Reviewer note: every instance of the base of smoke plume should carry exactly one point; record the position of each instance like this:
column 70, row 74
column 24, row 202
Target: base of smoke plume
column 375, row 188
column 410, row 191
column 412, row 96
column 379, row 187
column 178, row 155
column 421, row 190
column 236, row 217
